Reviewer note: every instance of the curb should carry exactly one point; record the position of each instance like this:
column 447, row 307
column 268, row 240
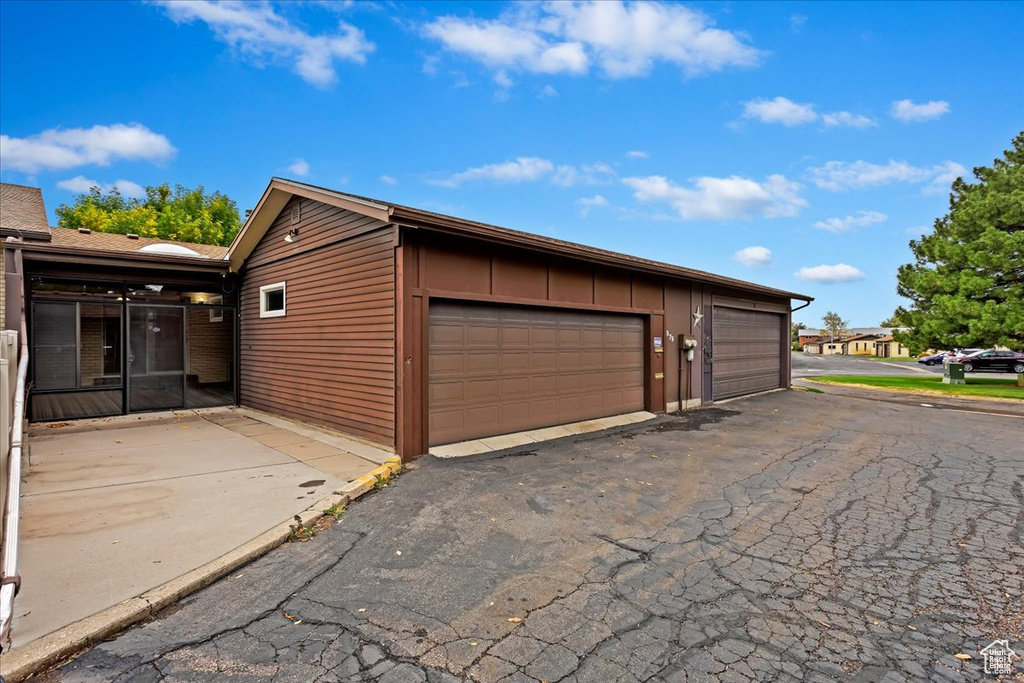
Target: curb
column 44, row 652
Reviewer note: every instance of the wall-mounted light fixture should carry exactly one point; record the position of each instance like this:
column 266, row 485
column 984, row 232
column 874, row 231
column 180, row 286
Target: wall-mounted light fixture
column 292, row 234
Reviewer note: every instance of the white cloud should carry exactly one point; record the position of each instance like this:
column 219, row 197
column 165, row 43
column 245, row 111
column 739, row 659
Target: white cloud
column 622, row 39
column 532, row 169
column 430, row 64
column 79, row 184
column 722, row 198
column 945, row 174
column 797, row 22
column 82, row 185
column 503, row 81
column 754, row 256
column 862, row 219
column 299, row 167
column 907, row 111
column 547, row 91
column 843, row 175
column 130, row 189
column 257, row 31
column 586, row 174
column 780, row 110
column 789, row 113
column 825, row 274
column 518, row 170
column 588, row 203
column 388, row 180
column 637, row 154
column 60, row 148
column 836, row 119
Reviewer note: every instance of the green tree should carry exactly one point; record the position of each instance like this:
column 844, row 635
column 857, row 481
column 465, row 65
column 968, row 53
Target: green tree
column 893, row 321
column 795, row 331
column 833, row 325
column 180, row 214
column 966, row 284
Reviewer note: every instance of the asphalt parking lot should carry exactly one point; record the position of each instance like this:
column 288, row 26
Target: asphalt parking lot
column 810, row 365
column 791, row 536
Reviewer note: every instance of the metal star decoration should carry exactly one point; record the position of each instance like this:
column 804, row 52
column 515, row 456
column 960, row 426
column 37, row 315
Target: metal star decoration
column 697, row 317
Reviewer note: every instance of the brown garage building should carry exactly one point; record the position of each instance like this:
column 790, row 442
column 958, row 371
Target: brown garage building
column 411, row 329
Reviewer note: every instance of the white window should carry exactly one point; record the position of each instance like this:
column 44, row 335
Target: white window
column 272, row 300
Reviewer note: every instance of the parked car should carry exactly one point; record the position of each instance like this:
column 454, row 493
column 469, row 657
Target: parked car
column 957, row 354
column 935, row 358
column 993, row 361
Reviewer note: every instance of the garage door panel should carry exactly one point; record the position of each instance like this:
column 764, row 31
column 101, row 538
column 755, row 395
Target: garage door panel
column 513, row 362
column 481, row 363
column 747, row 353
column 482, row 390
column 501, row 369
column 570, row 360
column 446, row 364
column 446, row 393
column 448, row 333
column 545, row 385
column 515, row 336
column 544, row 337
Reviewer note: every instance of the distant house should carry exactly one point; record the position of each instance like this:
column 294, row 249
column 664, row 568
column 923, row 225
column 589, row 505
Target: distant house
column 855, row 345
column 824, row 347
column 811, row 335
column 860, row 344
column 887, row 347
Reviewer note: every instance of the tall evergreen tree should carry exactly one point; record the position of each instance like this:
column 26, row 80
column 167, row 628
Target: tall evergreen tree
column 966, row 285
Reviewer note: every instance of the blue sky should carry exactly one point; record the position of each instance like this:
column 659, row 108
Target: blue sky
column 798, row 145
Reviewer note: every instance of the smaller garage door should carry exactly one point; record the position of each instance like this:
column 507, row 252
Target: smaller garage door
column 502, row 369
column 747, row 351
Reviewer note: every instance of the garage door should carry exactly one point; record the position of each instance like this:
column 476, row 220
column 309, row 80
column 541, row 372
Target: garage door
column 500, row 369
column 747, row 351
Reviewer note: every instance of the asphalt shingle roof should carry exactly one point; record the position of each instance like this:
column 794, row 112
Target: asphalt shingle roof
column 22, row 209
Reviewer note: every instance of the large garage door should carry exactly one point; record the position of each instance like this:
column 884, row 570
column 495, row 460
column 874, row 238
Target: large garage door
column 747, row 351
column 500, row 369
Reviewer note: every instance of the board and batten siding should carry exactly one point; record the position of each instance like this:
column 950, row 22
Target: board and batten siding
column 330, row 360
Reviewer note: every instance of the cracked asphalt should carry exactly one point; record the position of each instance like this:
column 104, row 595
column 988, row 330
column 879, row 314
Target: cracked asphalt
column 787, row 537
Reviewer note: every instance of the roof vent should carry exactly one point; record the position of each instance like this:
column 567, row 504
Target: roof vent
column 132, row 236
column 85, row 231
column 296, row 213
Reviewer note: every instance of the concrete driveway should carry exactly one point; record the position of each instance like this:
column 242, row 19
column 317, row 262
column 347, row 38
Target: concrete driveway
column 114, row 507
column 788, row 537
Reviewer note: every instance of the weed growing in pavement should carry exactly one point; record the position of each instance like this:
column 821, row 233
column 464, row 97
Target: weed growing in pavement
column 300, row 531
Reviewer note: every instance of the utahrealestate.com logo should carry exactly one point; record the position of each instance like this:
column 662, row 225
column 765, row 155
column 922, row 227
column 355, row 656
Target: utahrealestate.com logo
column 999, row 657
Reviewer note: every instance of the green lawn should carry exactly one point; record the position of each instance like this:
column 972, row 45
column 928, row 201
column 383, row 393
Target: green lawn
column 976, row 386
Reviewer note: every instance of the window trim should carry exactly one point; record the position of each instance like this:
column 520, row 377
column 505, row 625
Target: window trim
column 283, row 287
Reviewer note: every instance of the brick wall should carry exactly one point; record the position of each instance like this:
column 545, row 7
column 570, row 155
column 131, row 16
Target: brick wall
column 91, row 350
column 210, row 345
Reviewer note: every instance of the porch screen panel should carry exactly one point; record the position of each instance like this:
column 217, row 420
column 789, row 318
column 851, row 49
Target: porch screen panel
column 55, row 351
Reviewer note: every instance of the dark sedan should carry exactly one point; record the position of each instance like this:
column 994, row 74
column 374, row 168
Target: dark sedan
column 935, row 359
column 993, row 361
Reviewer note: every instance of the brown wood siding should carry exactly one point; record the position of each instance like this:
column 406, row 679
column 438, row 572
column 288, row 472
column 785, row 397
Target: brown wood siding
column 501, row 369
column 331, row 359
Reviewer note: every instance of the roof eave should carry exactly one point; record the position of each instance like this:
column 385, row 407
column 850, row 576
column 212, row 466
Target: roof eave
column 50, row 252
column 279, row 191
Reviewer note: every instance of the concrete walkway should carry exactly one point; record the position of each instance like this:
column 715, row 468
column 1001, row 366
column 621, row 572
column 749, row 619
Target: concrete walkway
column 114, row 507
